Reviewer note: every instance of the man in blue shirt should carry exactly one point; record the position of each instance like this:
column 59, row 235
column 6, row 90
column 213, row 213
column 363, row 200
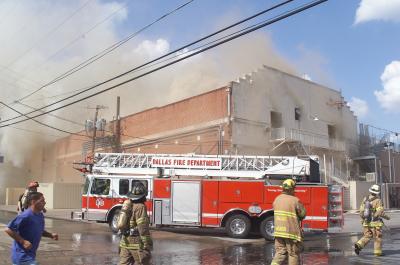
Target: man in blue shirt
column 27, row 229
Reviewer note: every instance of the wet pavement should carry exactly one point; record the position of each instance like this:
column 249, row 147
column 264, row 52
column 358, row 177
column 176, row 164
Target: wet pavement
column 93, row 244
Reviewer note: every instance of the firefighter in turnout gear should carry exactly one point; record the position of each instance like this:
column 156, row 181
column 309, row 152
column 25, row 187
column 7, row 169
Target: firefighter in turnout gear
column 371, row 213
column 133, row 224
column 288, row 214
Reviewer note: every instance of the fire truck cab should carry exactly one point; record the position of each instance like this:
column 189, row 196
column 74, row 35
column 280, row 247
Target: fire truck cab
column 234, row 192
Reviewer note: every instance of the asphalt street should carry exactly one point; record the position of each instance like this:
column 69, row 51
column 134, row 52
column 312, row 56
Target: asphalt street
column 93, row 244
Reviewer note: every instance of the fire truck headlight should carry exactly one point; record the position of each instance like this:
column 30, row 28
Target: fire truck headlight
column 255, row 209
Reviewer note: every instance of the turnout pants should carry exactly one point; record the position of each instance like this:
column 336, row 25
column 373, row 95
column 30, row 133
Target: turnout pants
column 284, row 248
column 137, row 257
column 369, row 233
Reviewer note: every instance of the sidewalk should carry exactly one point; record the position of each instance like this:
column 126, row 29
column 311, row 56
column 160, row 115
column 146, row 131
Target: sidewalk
column 63, row 214
column 352, row 223
column 351, row 218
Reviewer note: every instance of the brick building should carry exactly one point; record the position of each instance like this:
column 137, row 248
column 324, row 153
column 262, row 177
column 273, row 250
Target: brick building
column 267, row 112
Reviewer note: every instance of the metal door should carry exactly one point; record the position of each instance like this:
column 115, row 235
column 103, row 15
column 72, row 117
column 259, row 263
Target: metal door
column 186, row 202
column 162, row 212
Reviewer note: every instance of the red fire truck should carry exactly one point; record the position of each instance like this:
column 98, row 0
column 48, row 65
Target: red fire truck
column 235, row 192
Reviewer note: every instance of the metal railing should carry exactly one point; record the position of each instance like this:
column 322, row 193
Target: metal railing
column 307, row 138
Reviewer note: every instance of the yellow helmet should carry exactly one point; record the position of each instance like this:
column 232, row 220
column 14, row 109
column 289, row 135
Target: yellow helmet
column 288, row 184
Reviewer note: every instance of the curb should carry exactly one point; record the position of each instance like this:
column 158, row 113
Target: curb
column 50, row 217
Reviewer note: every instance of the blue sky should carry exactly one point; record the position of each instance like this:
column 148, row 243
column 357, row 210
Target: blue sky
column 348, row 45
column 325, row 42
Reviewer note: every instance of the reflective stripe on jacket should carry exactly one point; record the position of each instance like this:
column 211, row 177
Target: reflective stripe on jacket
column 140, row 222
column 288, row 213
column 377, row 211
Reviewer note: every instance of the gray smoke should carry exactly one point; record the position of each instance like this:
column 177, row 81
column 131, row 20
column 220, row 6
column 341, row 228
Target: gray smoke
column 27, row 62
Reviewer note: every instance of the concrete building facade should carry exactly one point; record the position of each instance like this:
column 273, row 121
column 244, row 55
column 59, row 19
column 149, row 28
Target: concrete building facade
column 267, row 112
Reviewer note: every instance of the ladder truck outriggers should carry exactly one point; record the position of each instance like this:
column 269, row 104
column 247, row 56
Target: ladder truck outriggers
column 234, row 192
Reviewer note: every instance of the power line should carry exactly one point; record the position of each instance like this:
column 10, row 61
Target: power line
column 41, row 133
column 157, row 59
column 53, row 115
column 82, row 35
column 101, row 54
column 50, row 32
column 259, row 25
column 9, row 11
column 41, row 123
column 192, row 143
column 386, row 130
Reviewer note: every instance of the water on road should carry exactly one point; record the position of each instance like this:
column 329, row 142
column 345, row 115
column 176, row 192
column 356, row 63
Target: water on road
column 84, row 243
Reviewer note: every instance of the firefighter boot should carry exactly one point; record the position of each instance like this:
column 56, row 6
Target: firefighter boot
column 357, row 248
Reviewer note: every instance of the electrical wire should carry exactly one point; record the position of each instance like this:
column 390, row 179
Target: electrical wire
column 157, row 59
column 181, row 143
column 53, row 115
column 42, row 123
column 50, row 32
column 268, row 22
column 81, row 35
column 102, row 53
column 41, row 133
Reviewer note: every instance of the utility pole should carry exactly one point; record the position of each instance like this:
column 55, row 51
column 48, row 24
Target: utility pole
column 118, row 127
column 390, row 165
column 98, row 107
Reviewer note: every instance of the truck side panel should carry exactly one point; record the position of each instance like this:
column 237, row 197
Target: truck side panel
column 241, row 191
column 162, row 188
column 317, row 212
column 209, row 213
column 315, row 200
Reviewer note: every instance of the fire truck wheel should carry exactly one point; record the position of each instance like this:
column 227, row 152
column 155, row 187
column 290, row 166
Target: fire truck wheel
column 113, row 221
column 238, row 226
column 267, row 228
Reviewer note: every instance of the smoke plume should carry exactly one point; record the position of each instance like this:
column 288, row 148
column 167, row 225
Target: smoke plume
column 43, row 39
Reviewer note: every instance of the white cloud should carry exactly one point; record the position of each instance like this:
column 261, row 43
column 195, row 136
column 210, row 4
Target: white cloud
column 359, row 106
column 389, row 97
column 153, row 49
column 386, row 10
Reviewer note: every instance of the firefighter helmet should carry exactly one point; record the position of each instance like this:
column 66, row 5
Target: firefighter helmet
column 375, row 189
column 288, row 184
column 33, row 184
column 138, row 191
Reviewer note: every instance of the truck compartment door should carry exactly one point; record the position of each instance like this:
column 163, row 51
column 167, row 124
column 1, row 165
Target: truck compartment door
column 209, row 213
column 186, row 202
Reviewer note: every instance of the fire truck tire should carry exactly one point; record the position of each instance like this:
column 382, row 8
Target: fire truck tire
column 267, row 228
column 113, row 221
column 238, row 226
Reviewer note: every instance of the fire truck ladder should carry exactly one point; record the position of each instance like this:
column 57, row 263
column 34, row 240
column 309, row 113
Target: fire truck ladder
column 230, row 166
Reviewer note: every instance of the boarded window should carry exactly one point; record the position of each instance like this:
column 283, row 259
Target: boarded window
column 331, row 131
column 276, row 119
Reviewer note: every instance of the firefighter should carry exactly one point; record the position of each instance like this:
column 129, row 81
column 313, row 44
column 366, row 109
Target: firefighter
column 288, row 214
column 133, row 224
column 22, row 201
column 371, row 213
